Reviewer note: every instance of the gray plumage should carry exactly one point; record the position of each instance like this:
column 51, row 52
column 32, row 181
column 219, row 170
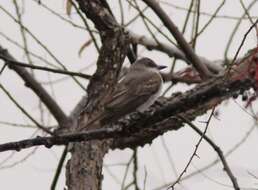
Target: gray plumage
column 136, row 91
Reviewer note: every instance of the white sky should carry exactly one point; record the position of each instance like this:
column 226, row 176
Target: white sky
column 65, row 41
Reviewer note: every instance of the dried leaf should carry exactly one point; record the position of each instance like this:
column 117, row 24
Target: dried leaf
column 86, row 44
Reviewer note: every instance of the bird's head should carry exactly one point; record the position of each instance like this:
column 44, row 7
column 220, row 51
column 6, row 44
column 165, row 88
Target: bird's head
column 146, row 63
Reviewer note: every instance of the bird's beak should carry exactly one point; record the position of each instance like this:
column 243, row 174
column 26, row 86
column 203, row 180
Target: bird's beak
column 160, row 67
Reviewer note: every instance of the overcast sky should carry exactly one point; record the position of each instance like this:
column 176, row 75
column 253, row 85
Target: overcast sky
column 65, row 41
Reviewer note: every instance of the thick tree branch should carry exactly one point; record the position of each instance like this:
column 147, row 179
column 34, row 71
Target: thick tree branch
column 141, row 129
column 31, row 82
column 159, row 118
column 48, row 142
column 124, row 133
column 193, row 58
column 100, row 15
column 145, row 128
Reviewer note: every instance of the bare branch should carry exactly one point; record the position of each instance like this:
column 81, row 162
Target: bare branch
column 48, row 142
column 202, row 134
column 25, row 112
column 170, row 50
column 59, row 168
column 30, row 82
column 199, row 66
column 64, row 72
column 31, row 53
column 191, row 104
column 126, row 135
column 219, row 152
column 22, row 31
column 40, row 43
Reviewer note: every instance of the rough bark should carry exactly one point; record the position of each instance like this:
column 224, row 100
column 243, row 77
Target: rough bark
column 83, row 171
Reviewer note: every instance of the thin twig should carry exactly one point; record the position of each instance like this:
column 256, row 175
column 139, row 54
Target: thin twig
column 135, row 169
column 30, row 52
column 61, row 17
column 213, row 16
column 126, row 173
column 121, row 12
column 22, row 31
column 242, row 43
column 24, row 111
column 41, row 44
column 219, row 152
column 112, row 175
column 21, row 125
column 64, row 72
column 8, row 166
column 229, row 17
column 33, row 84
column 136, row 17
column 59, row 168
column 171, row 161
column 196, row 146
column 235, row 29
column 145, row 178
column 23, row 34
column 84, row 20
column 213, row 163
column 196, row 24
column 158, row 28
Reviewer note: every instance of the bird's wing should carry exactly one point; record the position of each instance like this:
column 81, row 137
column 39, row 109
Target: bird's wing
column 132, row 92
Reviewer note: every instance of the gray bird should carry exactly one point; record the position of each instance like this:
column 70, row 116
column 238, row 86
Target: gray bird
column 136, row 91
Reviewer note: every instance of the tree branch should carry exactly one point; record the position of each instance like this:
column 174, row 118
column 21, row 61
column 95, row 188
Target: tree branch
column 48, row 142
column 170, row 51
column 31, row 82
column 64, row 72
column 219, row 152
column 162, row 116
column 193, row 58
column 142, row 128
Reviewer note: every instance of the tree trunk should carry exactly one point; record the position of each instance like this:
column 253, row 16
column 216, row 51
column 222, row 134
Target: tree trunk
column 84, row 169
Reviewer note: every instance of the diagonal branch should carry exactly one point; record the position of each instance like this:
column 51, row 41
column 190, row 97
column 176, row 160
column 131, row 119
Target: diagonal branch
column 31, row 82
column 219, row 152
column 193, row 58
column 170, row 50
column 24, row 111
